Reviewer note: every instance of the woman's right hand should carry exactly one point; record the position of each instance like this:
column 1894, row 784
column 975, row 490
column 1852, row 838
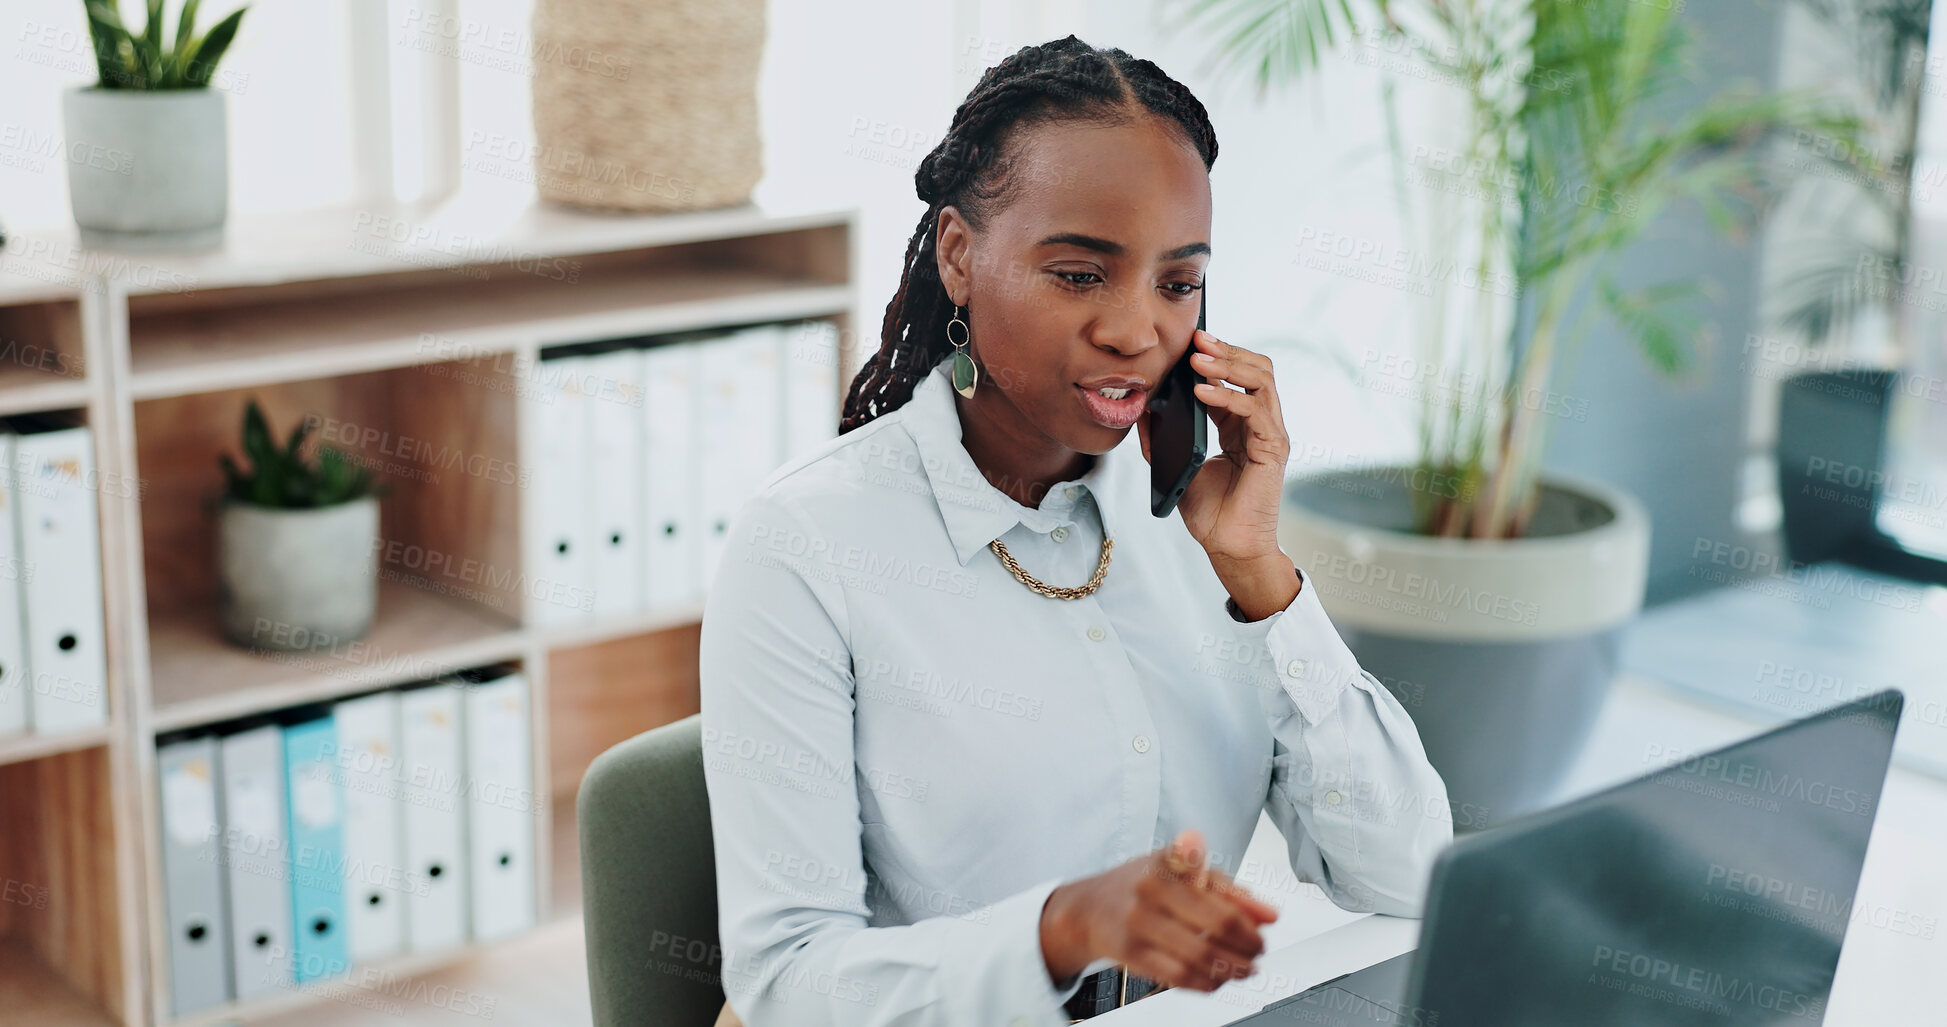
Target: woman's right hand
column 1165, row 916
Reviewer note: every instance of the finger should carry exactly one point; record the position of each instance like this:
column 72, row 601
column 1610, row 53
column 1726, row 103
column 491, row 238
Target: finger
column 1217, row 916
column 1244, row 375
column 1208, row 961
column 1185, row 856
column 1158, row 965
column 1242, row 897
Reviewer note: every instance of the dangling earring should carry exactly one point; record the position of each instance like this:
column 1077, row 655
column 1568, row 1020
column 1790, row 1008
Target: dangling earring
column 965, row 375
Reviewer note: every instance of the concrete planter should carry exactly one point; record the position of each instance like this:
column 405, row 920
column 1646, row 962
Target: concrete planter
column 292, row 580
column 1501, row 650
column 147, row 169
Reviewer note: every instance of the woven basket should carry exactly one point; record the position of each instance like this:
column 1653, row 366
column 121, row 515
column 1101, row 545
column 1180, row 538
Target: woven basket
column 647, row 105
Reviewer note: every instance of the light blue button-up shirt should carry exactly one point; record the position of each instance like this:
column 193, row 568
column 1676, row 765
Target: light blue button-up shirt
column 907, row 749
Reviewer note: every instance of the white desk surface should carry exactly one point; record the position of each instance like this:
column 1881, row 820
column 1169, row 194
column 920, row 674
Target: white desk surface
column 1895, row 949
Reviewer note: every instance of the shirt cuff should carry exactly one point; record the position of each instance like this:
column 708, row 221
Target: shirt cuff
column 1311, row 663
column 1006, row 953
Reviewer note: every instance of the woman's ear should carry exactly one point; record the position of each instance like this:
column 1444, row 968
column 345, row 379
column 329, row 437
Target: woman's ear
column 953, row 250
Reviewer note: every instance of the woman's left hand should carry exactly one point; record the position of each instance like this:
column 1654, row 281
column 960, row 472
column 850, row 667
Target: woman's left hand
column 1231, row 506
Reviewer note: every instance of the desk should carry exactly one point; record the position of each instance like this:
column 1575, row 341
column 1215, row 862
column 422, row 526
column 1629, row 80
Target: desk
column 1894, row 951
column 1282, row 971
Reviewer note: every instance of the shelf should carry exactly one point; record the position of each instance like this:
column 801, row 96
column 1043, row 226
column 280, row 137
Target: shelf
column 294, row 339
column 538, row 977
column 32, row 993
column 563, row 636
column 41, row 363
column 200, row 678
column 18, row 748
column 370, row 239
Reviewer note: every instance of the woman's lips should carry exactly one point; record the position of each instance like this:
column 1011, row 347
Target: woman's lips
column 1113, row 413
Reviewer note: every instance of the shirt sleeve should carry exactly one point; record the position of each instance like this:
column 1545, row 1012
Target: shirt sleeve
column 1362, row 811
column 778, row 757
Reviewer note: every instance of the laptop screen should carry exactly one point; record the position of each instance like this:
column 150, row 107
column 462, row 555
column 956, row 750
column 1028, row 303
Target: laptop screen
column 1714, row 891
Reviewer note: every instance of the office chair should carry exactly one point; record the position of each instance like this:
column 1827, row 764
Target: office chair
column 1837, row 419
column 649, row 882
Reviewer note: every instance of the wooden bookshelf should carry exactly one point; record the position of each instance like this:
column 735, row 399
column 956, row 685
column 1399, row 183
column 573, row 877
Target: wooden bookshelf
column 424, row 322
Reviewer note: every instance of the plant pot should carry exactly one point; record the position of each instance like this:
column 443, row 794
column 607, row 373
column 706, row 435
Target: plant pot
column 291, row 580
column 1501, row 650
column 147, row 170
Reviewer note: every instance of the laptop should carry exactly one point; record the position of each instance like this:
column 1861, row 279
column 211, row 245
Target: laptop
column 1714, row 891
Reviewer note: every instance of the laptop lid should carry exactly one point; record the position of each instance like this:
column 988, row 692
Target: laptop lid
column 1714, row 891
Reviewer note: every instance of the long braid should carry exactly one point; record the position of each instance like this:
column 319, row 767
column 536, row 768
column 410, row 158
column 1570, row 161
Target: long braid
column 1061, row 80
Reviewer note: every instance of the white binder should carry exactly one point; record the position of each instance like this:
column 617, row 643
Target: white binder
column 612, row 514
column 199, row 957
column 559, row 578
column 501, row 807
column 13, row 574
column 672, row 508
column 741, row 429
column 376, row 879
column 810, row 386
column 256, row 860
column 435, row 815
column 59, row 542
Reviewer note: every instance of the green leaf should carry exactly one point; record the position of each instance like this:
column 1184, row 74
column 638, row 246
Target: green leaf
column 152, row 50
column 1666, row 339
column 114, row 49
column 201, row 64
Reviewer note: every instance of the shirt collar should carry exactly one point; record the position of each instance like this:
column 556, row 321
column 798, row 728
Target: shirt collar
column 976, row 512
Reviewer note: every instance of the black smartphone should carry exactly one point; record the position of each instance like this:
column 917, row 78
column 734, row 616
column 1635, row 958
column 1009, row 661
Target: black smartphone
column 1178, row 423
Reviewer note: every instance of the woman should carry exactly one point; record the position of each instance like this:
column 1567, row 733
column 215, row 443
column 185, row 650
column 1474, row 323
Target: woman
column 970, row 712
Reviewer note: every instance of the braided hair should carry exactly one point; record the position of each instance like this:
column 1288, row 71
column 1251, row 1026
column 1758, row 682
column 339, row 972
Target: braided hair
column 1062, row 80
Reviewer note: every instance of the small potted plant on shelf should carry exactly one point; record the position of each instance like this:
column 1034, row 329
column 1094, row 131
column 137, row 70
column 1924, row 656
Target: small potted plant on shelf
column 297, row 552
column 148, row 144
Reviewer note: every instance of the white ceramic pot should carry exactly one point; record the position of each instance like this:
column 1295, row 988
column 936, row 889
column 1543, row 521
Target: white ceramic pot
column 1501, row 650
column 147, row 169
column 294, row 580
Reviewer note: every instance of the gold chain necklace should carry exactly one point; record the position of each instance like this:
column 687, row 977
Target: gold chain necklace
column 1052, row 591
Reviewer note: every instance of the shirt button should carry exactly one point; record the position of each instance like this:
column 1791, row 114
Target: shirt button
column 1096, row 634
column 1332, row 798
column 1060, row 534
column 1073, row 491
column 1141, row 742
column 1295, row 668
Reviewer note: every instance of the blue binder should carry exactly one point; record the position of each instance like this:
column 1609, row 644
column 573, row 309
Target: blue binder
column 317, row 850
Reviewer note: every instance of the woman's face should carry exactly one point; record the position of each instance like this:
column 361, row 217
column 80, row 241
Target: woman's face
column 1091, row 273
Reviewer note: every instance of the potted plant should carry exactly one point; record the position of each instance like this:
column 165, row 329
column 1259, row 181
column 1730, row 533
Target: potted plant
column 1486, row 596
column 152, row 135
column 297, row 551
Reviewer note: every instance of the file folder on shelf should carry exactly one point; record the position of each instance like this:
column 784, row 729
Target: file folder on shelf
column 671, row 462
column 612, row 514
column 501, row 807
column 560, row 568
column 256, row 860
column 67, row 671
column 811, row 407
column 13, row 572
column 740, row 428
column 430, row 745
column 366, row 761
column 199, row 957
column 317, row 852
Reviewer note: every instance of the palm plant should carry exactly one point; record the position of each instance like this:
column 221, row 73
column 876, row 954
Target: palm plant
column 142, row 60
column 1570, row 169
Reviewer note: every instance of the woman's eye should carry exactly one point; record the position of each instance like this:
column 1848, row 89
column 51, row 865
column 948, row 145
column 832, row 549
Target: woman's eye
column 1189, row 288
column 1070, row 276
